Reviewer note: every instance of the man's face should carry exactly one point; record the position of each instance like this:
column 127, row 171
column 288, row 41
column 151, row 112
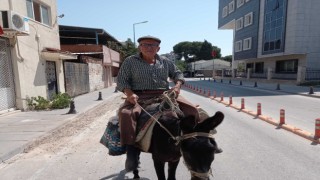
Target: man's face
column 149, row 48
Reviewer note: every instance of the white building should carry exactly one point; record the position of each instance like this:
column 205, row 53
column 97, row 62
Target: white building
column 30, row 56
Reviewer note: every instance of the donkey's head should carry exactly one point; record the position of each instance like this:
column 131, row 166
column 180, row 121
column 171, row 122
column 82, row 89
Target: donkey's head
column 198, row 152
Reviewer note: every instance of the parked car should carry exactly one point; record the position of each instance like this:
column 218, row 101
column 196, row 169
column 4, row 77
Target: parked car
column 199, row 75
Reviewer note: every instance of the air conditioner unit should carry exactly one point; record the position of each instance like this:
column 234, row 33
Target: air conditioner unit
column 14, row 23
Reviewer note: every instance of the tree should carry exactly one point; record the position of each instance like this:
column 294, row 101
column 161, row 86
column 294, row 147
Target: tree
column 227, row 58
column 182, row 65
column 188, row 50
column 218, row 52
column 194, row 51
column 129, row 48
column 205, row 51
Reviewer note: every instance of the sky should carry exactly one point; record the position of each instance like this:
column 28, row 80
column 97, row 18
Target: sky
column 173, row 21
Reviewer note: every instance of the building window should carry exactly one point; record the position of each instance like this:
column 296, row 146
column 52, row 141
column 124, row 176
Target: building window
column 274, row 26
column 225, row 11
column 248, row 19
column 238, row 46
column 247, row 43
column 239, row 23
column 259, row 67
column 240, row 3
column 287, row 66
column 231, row 7
column 38, row 12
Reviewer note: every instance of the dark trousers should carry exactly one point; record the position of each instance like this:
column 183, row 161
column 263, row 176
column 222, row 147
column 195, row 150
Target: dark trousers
column 129, row 113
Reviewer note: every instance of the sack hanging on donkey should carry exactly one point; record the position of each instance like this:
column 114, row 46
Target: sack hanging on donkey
column 111, row 138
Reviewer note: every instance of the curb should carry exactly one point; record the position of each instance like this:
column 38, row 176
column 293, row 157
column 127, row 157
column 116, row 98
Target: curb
column 287, row 127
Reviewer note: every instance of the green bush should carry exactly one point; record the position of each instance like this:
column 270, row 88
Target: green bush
column 59, row 101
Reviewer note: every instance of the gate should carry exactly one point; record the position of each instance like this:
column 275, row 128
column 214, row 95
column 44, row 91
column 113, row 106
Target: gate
column 7, row 93
column 76, row 78
column 51, row 79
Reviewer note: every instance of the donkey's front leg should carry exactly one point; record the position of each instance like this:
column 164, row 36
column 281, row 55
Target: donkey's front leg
column 172, row 167
column 159, row 166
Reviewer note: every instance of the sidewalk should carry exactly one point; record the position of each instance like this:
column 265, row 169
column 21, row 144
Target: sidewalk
column 281, row 87
column 19, row 130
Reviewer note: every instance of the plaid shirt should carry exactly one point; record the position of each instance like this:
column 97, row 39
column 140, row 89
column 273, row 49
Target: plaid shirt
column 136, row 74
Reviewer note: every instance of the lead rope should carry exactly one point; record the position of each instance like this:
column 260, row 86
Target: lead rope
column 157, row 122
column 166, row 99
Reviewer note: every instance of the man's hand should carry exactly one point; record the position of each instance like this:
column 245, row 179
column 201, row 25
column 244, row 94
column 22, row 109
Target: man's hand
column 133, row 99
column 177, row 87
column 131, row 96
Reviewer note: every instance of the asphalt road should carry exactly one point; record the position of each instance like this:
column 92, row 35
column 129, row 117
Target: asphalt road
column 300, row 111
column 252, row 148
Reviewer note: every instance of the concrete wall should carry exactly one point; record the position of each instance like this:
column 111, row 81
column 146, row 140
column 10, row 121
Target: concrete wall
column 29, row 67
column 96, row 74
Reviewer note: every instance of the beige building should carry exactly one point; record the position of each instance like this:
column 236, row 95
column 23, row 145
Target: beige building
column 30, row 57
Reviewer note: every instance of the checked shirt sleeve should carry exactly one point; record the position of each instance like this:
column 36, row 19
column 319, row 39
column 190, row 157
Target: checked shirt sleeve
column 123, row 79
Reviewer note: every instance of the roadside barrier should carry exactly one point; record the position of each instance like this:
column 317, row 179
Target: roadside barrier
column 214, row 94
column 259, row 109
column 278, row 87
column 99, row 97
column 208, row 93
column 229, row 81
column 282, row 116
column 311, row 90
column 72, row 109
column 317, row 129
column 240, row 83
column 242, row 103
column 230, row 100
column 221, row 96
column 255, row 84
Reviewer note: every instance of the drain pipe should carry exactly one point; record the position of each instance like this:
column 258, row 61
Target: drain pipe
column 10, row 5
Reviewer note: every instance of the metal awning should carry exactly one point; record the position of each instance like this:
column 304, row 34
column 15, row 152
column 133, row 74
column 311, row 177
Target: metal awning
column 56, row 54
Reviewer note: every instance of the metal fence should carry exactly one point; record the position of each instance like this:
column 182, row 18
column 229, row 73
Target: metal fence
column 76, row 78
column 7, row 93
column 312, row 74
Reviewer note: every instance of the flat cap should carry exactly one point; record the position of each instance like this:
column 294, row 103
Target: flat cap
column 149, row 37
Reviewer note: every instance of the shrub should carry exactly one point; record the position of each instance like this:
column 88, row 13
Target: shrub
column 60, row 101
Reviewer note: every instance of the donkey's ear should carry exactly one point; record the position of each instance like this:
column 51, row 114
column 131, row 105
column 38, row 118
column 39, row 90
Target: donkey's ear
column 187, row 124
column 210, row 123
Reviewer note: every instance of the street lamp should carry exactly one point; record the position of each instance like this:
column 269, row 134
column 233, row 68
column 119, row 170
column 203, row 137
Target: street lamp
column 134, row 31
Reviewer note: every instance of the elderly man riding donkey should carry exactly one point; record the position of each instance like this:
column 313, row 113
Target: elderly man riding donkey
column 178, row 127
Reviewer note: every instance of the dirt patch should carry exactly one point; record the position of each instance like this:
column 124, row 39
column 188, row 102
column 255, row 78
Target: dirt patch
column 56, row 139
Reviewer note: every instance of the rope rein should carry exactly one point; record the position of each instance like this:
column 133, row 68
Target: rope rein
column 173, row 106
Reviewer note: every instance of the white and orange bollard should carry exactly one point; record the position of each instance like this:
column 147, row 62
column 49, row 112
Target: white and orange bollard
column 259, row 109
column 230, row 100
column 282, row 116
column 317, row 129
column 242, row 103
